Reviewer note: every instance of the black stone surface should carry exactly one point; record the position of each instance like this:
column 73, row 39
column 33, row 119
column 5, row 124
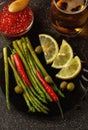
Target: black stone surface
column 76, row 118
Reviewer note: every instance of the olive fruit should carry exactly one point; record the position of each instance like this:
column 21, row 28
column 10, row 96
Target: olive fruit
column 38, row 49
column 18, row 89
column 63, row 85
column 70, row 86
column 48, row 79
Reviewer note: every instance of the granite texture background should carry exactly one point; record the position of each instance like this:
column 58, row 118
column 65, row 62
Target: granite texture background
column 76, row 118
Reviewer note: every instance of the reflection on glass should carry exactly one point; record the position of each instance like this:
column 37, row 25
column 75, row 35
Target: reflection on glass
column 2, row 2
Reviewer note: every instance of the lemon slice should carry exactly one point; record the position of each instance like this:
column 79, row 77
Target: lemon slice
column 49, row 46
column 64, row 56
column 71, row 71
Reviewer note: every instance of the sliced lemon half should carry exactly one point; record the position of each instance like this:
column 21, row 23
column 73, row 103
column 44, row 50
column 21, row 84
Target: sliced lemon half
column 71, row 71
column 64, row 56
column 49, row 46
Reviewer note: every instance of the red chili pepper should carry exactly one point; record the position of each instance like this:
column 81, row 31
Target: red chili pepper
column 21, row 69
column 50, row 91
column 47, row 87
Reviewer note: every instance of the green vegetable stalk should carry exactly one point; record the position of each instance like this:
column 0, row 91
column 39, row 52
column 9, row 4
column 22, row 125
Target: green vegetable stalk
column 35, row 96
column 32, row 69
column 28, row 93
column 30, row 107
column 27, row 67
column 6, row 69
column 42, row 69
column 18, row 77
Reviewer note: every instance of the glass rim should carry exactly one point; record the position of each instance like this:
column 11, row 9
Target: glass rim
column 75, row 12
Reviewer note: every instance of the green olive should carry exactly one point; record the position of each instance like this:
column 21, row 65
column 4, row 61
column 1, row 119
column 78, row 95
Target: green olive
column 70, row 86
column 48, row 79
column 38, row 49
column 63, row 85
column 18, row 89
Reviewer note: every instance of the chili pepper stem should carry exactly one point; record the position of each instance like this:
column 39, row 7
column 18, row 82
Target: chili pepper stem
column 62, row 115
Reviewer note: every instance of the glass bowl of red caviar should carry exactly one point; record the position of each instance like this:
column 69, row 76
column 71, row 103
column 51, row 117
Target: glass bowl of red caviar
column 17, row 23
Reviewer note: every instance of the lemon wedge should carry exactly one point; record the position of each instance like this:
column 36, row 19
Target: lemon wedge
column 49, row 46
column 64, row 56
column 71, row 71
column 18, row 5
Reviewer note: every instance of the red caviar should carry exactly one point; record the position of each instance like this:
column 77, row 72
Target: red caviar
column 15, row 24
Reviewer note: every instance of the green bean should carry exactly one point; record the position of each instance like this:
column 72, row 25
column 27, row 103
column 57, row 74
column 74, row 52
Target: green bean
column 6, row 69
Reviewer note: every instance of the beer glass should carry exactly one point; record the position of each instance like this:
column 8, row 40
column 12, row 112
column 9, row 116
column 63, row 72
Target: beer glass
column 69, row 17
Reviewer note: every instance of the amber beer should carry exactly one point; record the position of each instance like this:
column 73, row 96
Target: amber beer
column 69, row 17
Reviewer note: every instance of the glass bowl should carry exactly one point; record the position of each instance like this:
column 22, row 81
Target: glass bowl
column 15, row 24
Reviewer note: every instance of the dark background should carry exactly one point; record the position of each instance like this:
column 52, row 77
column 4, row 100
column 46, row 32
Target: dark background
column 76, row 112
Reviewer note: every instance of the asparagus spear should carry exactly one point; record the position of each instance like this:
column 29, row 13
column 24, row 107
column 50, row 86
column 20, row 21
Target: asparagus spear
column 28, row 102
column 6, row 69
column 31, row 108
column 34, row 101
column 32, row 70
column 18, row 77
column 42, row 69
column 25, row 64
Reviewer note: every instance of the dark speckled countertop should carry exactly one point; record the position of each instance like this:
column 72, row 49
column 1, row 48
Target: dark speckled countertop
column 76, row 118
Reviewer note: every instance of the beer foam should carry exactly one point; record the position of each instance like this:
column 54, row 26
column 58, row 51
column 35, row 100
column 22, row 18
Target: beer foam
column 73, row 5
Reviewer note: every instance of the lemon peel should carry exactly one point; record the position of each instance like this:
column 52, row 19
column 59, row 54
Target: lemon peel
column 71, row 71
column 49, row 46
column 64, row 56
